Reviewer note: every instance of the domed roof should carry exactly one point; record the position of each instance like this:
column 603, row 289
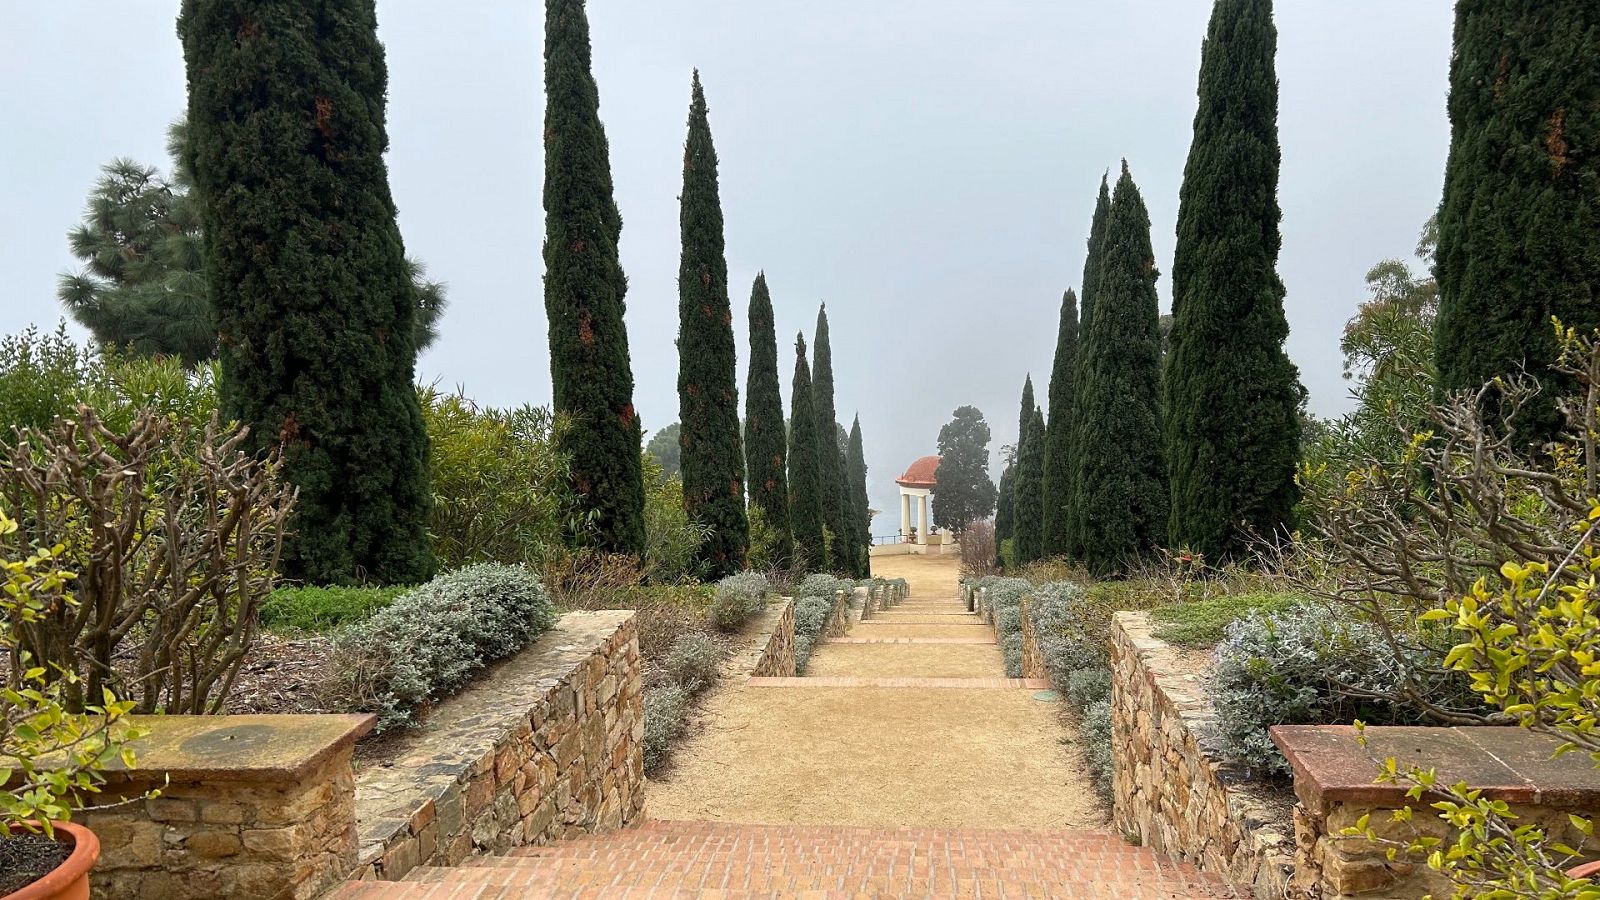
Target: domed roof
column 920, row 474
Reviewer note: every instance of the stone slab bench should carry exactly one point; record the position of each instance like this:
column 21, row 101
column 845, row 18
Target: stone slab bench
column 1335, row 784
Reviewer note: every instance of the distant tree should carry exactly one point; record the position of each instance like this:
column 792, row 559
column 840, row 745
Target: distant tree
column 1076, row 470
column 1028, row 531
column 964, row 491
column 805, row 468
column 1123, row 484
column 765, row 438
column 835, row 483
column 305, row 262
column 665, row 448
column 1520, row 212
column 142, row 288
column 860, row 514
column 584, row 288
column 1058, row 430
column 1231, row 395
column 1005, row 518
column 708, row 378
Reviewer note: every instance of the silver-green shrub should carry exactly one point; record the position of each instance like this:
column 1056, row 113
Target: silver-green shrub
column 693, row 661
column 1011, row 649
column 819, row 585
column 1095, row 730
column 738, row 598
column 1086, row 687
column 430, row 641
column 666, row 711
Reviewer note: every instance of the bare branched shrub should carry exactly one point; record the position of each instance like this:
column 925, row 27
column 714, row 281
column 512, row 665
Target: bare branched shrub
column 175, row 533
column 978, row 552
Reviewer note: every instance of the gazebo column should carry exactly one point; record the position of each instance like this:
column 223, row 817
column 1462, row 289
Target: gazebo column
column 922, row 528
column 905, row 513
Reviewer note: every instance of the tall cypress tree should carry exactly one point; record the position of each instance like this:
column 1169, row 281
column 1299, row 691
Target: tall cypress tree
column 1075, row 473
column 805, row 467
column 861, row 517
column 765, row 444
column 584, row 289
column 1232, row 396
column 314, row 302
column 835, row 484
column 1005, row 518
column 1122, row 466
column 1520, row 213
column 1028, row 501
column 1058, row 431
column 708, row 380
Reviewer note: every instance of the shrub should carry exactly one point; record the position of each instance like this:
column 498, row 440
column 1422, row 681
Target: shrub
column 1202, row 623
column 1309, row 665
column 432, row 640
column 671, row 538
column 319, row 609
column 738, row 598
column 810, row 617
column 1095, row 730
column 819, row 585
column 1005, row 599
column 978, row 551
column 693, row 662
column 666, row 712
column 42, row 377
column 1086, row 687
column 1011, row 651
column 803, row 645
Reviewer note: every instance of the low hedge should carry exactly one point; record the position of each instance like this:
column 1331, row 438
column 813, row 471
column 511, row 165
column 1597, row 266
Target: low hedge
column 320, row 609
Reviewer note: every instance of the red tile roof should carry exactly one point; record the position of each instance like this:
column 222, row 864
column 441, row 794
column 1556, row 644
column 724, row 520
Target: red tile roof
column 920, row 474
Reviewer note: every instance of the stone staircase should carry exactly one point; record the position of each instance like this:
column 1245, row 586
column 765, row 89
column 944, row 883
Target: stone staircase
column 722, row 860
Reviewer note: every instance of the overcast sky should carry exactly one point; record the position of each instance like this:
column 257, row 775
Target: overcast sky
column 926, row 167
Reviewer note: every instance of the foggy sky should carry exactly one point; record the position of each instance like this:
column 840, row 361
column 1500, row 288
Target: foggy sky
column 926, row 167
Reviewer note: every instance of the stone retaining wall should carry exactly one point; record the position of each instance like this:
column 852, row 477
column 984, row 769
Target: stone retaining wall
column 1170, row 790
column 1032, row 658
column 548, row 745
column 771, row 651
column 839, row 618
column 249, row 806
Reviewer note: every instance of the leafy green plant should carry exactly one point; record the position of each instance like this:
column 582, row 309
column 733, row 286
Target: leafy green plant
column 671, row 538
column 42, row 376
column 1201, row 624
column 324, row 608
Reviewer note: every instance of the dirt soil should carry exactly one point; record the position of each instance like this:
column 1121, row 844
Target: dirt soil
column 26, row 858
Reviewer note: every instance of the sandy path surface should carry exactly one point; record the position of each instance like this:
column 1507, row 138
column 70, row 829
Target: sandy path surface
column 921, row 756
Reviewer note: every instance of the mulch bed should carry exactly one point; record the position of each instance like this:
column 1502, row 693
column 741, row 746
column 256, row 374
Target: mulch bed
column 286, row 674
column 26, row 858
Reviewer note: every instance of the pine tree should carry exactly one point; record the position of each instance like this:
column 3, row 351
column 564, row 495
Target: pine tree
column 1058, row 431
column 964, row 492
column 805, row 467
column 1076, row 471
column 1121, row 465
column 708, row 379
column 835, row 485
column 1005, row 518
column 1028, row 502
column 861, row 515
column 584, row 289
column 765, row 444
column 1520, row 213
column 1232, row 396
column 314, row 302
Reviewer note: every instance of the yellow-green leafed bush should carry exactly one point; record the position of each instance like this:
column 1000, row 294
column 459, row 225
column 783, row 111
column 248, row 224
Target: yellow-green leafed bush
column 51, row 758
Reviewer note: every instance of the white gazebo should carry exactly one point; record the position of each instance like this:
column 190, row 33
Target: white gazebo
column 916, row 488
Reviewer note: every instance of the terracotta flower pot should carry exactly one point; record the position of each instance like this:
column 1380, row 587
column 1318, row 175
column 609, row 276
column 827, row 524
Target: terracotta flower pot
column 1587, row 870
column 70, row 880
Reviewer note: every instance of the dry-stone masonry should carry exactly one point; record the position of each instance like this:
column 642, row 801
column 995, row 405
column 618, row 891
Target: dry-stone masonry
column 770, row 652
column 548, row 745
column 1171, row 791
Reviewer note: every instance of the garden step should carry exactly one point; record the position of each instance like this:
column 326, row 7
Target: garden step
column 706, row 859
column 850, row 681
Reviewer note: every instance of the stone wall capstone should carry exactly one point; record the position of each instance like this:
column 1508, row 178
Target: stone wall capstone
column 1170, row 790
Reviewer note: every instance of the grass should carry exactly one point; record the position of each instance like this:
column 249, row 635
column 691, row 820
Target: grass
column 1200, row 624
column 321, row 609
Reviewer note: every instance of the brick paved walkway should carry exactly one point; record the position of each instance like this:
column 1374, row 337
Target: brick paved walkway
column 804, row 787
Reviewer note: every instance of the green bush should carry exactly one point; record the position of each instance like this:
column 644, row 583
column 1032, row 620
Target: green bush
column 432, row 640
column 1086, row 687
column 666, row 714
column 319, row 609
column 694, row 661
column 42, row 376
column 738, row 598
column 1005, row 601
column 810, row 618
column 1095, row 729
column 819, row 585
column 671, row 538
column 1202, row 623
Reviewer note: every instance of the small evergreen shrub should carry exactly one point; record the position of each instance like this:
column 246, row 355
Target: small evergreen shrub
column 803, row 645
column 693, row 662
column 1005, row 599
column 1086, row 687
column 319, row 609
column 738, row 598
column 432, row 640
column 666, row 713
column 1095, row 729
column 810, row 618
column 1066, row 627
column 1011, row 649
column 1202, row 623
column 820, row 585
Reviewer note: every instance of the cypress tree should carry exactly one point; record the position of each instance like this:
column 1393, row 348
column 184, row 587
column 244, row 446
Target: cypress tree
column 1075, row 472
column 1005, row 510
column 1121, row 463
column 1028, row 503
column 584, row 289
column 708, row 380
column 861, row 517
column 765, row 444
column 1520, row 212
column 314, row 302
column 835, row 484
column 1232, row 396
column 1058, row 431
column 805, row 467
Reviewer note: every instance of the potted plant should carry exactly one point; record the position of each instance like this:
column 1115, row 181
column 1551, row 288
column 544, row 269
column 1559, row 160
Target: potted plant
column 51, row 757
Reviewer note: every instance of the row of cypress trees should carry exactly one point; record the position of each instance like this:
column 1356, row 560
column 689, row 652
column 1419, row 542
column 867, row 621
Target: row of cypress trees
column 1195, row 449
